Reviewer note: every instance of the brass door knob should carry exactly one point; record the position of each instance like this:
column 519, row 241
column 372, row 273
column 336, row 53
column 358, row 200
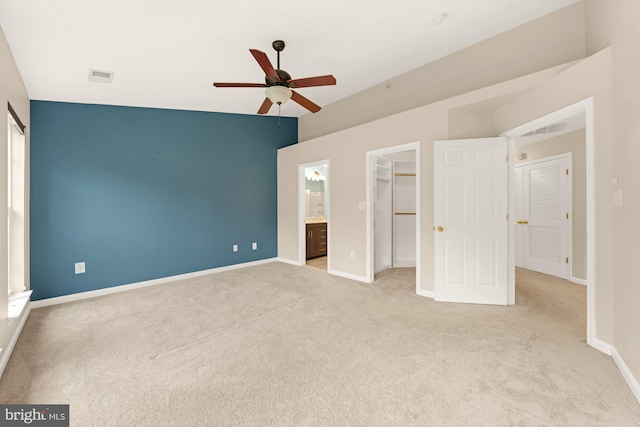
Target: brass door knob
column 525, row 222
column 440, row 229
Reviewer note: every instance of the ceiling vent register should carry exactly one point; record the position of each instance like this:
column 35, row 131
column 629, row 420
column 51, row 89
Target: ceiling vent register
column 555, row 127
column 101, row 76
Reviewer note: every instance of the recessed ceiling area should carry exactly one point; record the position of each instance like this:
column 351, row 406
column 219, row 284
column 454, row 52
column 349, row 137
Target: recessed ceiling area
column 167, row 55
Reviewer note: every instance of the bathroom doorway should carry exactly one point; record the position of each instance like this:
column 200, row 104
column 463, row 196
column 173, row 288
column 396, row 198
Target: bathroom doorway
column 314, row 214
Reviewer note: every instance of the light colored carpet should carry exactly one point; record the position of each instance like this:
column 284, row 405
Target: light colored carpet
column 282, row 345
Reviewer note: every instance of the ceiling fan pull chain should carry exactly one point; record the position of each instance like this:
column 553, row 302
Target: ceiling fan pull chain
column 279, row 111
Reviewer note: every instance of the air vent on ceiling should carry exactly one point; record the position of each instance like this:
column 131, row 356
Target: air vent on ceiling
column 556, row 127
column 101, row 76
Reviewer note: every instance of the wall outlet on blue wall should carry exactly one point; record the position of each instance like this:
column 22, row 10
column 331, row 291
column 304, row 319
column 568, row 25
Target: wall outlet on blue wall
column 254, row 246
column 80, row 267
column 235, row 248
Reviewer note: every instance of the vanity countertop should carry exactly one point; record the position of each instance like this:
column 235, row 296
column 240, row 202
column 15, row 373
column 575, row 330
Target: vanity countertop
column 315, row 220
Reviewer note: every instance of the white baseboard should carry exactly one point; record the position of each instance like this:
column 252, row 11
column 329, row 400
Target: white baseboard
column 6, row 352
column 601, row 346
column 115, row 289
column 428, row 294
column 626, row 373
column 349, row 276
column 290, row 261
column 578, row 281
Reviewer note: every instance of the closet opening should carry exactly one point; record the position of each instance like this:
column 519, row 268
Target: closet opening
column 393, row 214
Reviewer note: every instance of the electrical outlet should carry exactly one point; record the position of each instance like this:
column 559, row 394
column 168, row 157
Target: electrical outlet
column 352, row 254
column 235, row 248
column 80, row 267
column 254, row 246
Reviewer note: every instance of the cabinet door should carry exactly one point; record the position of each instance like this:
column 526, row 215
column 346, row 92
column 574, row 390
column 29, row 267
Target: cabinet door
column 310, row 242
column 322, row 239
column 316, row 240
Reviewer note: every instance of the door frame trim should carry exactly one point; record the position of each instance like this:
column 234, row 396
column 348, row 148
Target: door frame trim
column 587, row 107
column 302, row 233
column 370, row 158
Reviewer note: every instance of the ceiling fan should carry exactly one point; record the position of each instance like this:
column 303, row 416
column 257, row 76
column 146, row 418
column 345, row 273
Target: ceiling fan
column 279, row 83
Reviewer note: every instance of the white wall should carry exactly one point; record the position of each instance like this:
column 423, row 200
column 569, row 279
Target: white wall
column 591, row 77
column 626, row 153
column 347, row 152
column 553, row 39
column 523, row 100
column 12, row 90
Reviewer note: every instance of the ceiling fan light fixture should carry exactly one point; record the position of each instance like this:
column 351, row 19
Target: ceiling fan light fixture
column 278, row 94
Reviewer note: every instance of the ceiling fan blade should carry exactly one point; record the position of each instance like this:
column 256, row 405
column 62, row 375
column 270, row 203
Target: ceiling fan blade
column 305, row 102
column 313, row 81
column 264, row 108
column 265, row 64
column 218, row 84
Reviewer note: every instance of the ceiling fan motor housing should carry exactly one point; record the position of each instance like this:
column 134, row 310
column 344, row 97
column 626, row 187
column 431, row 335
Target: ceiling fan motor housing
column 284, row 78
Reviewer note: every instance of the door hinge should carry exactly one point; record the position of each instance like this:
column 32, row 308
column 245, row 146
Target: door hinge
column 507, row 217
column 567, row 215
column 567, row 171
column 507, row 157
column 566, row 260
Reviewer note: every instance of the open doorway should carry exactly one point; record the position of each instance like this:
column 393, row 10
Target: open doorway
column 552, row 219
column 393, row 212
column 314, row 214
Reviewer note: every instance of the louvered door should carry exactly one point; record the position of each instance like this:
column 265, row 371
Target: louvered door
column 544, row 223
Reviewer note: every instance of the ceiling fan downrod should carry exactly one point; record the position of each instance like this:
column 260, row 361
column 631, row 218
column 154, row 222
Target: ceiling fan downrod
column 278, row 46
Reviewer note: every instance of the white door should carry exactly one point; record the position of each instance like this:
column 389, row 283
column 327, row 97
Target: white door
column 545, row 217
column 519, row 230
column 471, row 206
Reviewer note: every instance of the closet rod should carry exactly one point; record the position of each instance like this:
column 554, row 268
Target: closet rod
column 405, row 213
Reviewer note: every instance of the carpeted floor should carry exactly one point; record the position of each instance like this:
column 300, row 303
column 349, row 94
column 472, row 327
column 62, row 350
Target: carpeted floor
column 282, row 345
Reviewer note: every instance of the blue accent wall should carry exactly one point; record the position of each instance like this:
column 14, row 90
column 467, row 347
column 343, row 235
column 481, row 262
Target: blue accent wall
column 140, row 193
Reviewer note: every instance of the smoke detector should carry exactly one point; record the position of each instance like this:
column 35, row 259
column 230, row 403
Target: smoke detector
column 439, row 19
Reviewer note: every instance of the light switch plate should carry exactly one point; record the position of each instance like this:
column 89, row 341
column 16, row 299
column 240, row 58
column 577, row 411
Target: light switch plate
column 617, row 197
column 254, row 246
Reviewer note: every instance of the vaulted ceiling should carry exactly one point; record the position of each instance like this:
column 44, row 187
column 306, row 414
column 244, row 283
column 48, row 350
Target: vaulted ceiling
column 167, row 54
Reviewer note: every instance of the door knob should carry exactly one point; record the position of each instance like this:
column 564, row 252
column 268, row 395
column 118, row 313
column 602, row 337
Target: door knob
column 440, row 229
column 525, row 222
